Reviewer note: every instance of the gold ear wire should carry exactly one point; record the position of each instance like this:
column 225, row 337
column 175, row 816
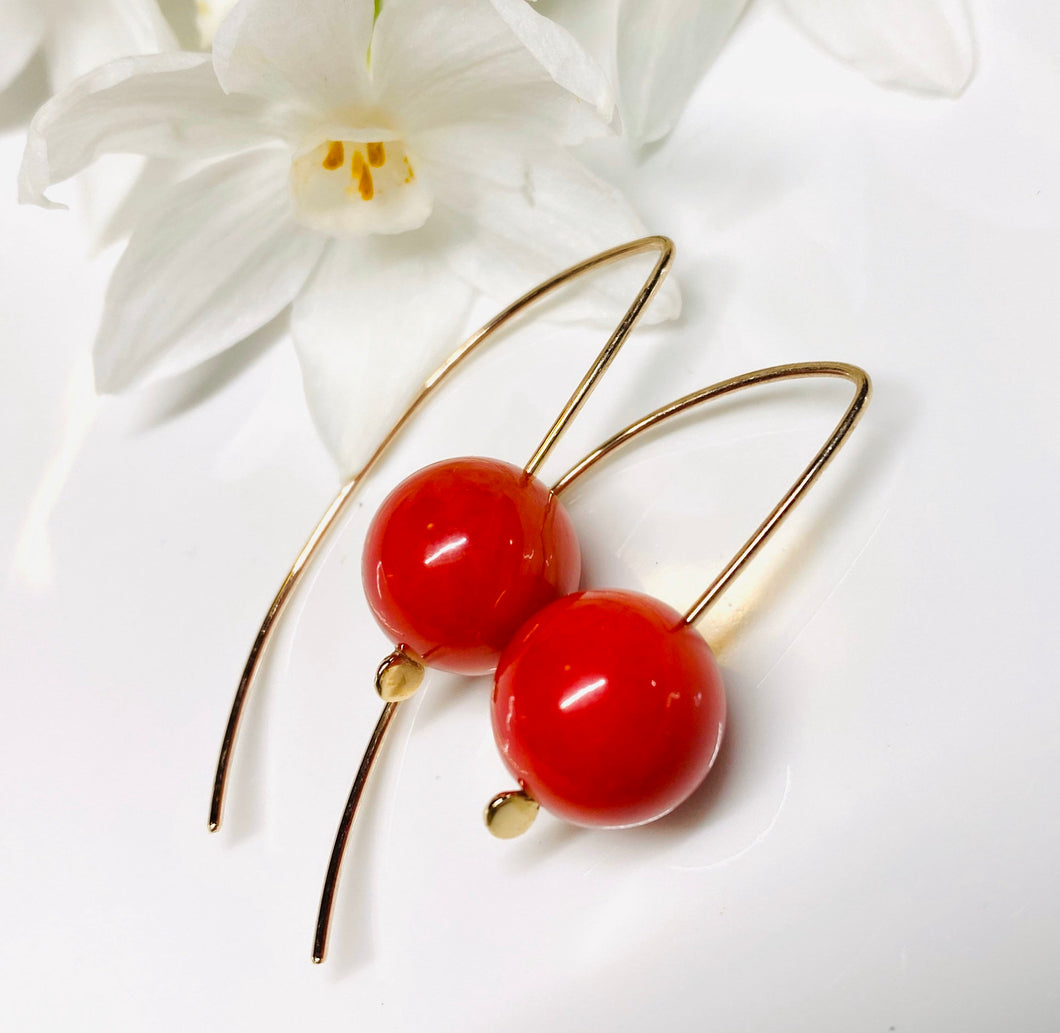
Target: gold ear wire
column 794, row 371
column 665, row 250
column 397, row 667
column 574, row 404
column 511, row 813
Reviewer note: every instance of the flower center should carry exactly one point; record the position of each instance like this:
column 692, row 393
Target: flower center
column 356, row 187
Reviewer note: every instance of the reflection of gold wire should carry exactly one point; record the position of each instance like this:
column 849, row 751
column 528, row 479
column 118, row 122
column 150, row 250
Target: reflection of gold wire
column 665, row 250
column 863, row 389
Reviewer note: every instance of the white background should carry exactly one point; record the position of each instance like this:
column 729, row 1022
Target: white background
column 877, row 849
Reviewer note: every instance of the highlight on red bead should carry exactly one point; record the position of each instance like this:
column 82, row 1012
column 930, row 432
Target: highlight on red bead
column 460, row 554
column 608, row 708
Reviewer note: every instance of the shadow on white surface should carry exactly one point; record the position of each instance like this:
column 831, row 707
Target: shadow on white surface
column 31, row 563
column 175, row 396
column 22, row 98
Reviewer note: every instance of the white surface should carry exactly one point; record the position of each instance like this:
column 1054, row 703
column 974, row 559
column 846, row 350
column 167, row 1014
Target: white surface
column 878, row 849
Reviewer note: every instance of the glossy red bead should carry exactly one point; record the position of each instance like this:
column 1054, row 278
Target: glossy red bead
column 608, row 708
column 460, row 554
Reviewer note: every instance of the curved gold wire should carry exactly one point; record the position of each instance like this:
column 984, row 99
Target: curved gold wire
column 331, row 879
column 795, row 371
column 570, row 410
column 665, row 250
column 863, row 389
column 518, row 800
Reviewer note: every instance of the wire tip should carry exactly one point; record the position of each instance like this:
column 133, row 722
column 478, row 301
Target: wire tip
column 215, row 824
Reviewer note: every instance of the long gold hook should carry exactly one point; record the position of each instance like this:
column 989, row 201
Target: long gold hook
column 512, row 812
column 794, row 371
column 570, row 410
column 331, row 879
column 665, row 249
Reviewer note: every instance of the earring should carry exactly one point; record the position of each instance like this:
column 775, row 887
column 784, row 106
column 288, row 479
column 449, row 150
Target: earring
column 608, row 707
column 393, row 671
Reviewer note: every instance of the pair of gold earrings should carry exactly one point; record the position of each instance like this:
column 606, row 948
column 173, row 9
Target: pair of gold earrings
column 608, row 708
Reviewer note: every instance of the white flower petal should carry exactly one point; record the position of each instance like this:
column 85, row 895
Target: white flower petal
column 315, row 51
column 89, row 33
column 560, row 54
column 208, row 17
column 165, row 105
column 923, row 45
column 374, row 322
column 23, row 29
column 663, row 49
column 461, row 161
column 440, row 62
column 218, row 260
column 591, row 24
column 524, row 214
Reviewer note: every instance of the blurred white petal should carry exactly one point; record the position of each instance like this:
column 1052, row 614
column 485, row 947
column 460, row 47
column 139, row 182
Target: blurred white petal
column 560, row 54
column 164, row 105
column 23, row 29
column 208, row 17
column 373, row 323
column 221, row 257
column 441, row 62
column 84, row 34
column 923, row 45
column 525, row 214
column 591, row 24
column 32, row 561
column 310, row 51
column 662, row 50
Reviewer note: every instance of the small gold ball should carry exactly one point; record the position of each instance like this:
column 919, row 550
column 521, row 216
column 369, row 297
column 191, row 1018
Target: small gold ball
column 510, row 814
column 398, row 676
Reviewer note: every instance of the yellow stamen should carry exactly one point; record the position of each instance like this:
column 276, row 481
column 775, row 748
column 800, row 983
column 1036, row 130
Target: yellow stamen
column 363, row 174
column 376, row 155
column 336, row 156
column 411, row 175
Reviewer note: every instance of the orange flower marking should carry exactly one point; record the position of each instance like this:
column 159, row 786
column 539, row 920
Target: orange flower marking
column 336, row 156
column 363, row 175
column 376, row 155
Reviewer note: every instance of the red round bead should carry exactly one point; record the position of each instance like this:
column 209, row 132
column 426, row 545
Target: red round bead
column 608, row 708
column 460, row 554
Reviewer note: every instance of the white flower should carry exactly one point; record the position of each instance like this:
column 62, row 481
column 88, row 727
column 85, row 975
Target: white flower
column 660, row 49
column 77, row 35
column 374, row 175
